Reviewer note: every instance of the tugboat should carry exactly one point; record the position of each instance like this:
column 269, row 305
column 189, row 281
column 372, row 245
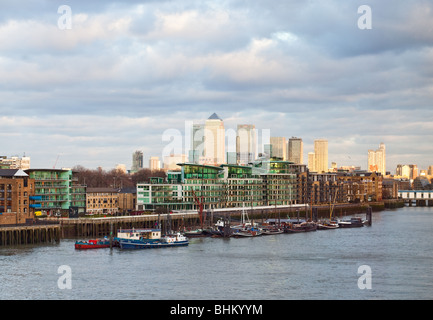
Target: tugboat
column 150, row 238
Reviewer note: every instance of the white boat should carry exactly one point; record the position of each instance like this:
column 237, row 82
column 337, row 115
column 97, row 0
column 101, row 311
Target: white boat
column 327, row 225
column 150, row 238
column 138, row 234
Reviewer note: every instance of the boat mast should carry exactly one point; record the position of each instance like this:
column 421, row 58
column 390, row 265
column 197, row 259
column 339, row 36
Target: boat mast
column 333, row 204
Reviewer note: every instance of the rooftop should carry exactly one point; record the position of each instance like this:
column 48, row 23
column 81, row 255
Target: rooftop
column 214, row 116
column 101, row 190
column 7, row 173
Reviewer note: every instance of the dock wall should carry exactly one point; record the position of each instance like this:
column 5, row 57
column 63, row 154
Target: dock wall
column 18, row 235
column 100, row 227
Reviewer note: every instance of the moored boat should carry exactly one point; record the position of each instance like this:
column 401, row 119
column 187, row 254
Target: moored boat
column 354, row 222
column 92, row 244
column 331, row 223
column 327, row 225
column 195, row 233
column 301, row 227
column 151, row 238
column 246, row 232
column 269, row 230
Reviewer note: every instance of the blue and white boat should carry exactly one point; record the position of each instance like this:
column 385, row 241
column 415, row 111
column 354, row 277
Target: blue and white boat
column 149, row 238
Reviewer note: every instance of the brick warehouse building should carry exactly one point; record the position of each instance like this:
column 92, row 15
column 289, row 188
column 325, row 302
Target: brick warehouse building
column 16, row 195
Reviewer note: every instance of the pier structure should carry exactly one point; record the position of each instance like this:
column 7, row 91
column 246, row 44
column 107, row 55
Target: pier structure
column 18, row 235
column 100, row 227
column 418, row 197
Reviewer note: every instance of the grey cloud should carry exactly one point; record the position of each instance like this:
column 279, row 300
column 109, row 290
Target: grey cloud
column 302, row 68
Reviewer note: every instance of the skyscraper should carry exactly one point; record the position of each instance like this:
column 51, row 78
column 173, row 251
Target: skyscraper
column 246, row 143
column 154, row 163
column 321, row 155
column 197, row 143
column 279, row 148
column 137, row 161
column 377, row 160
column 214, row 140
column 311, row 162
column 296, row 150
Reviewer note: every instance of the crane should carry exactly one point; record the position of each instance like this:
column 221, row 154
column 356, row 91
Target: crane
column 56, row 161
column 200, row 207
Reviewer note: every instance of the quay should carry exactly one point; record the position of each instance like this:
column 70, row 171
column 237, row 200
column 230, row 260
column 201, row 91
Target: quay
column 29, row 234
column 420, row 198
column 99, row 227
column 46, row 230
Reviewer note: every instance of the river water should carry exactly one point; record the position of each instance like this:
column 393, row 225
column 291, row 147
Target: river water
column 396, row 253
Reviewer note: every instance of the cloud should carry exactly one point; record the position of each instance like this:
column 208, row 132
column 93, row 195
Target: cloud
column 129, row 70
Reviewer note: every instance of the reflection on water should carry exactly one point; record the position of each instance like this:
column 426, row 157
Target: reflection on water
column 315, row 265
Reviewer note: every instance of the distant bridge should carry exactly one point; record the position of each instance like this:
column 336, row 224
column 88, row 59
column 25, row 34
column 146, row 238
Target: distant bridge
column 421, row 197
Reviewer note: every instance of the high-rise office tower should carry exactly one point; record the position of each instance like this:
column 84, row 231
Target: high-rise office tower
column 409, row 171
column 246, row 144
column 296, row 150
column 377, row 160
column 197, row 143
column 311, row 162
column 214, row 140
column 154, row 163
column 137, row 161
column 171, row 161
column 15, row 162
column 321, row 155
column 279, row 148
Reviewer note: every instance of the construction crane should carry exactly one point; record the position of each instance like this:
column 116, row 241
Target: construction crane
column 200, row 208
column 55, row 163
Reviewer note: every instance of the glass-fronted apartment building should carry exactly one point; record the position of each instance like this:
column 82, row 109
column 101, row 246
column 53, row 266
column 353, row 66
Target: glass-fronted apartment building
column 265, row 183
column 56, row 191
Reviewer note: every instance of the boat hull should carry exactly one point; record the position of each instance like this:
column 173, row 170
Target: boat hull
column 350, row 225
column 267, row 232
column 301, row 228
column 84, row 245
column 196, row 233
column 245, row 234
column 323, row 227
column 327, row 226
column 151, row 245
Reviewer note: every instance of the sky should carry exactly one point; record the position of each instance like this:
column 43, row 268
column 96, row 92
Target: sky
column 120, row 76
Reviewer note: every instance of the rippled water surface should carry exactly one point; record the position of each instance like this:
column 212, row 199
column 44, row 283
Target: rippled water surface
column 398, row 248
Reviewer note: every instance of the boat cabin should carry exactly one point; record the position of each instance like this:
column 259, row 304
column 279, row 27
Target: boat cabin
column 137, row 234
